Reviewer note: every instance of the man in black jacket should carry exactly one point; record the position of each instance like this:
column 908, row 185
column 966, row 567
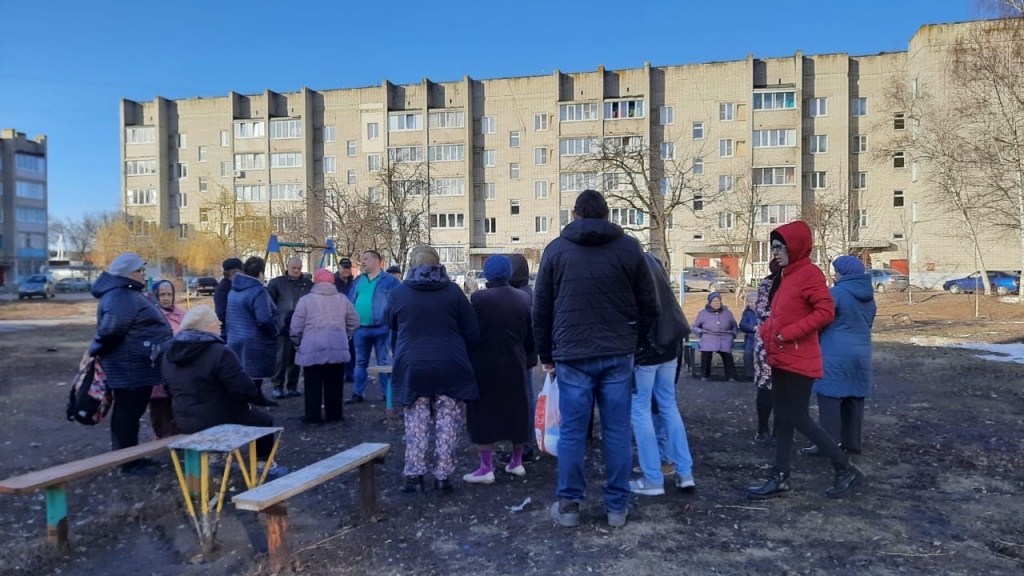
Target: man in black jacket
column 285, row 291
column 231, row 267
column 594, row 295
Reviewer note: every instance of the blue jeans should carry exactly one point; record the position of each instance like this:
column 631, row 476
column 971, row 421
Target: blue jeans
column 659, row 381
column 608, row 379
column 366, row 338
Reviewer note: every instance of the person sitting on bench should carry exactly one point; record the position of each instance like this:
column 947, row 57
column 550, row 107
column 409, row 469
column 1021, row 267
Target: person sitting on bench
column 717, row 328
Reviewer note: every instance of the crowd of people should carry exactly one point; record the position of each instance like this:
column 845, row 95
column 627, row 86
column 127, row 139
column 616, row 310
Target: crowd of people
column 602, row 319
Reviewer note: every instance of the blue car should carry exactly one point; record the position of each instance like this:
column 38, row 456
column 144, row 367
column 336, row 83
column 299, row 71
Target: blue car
column 1003, row 283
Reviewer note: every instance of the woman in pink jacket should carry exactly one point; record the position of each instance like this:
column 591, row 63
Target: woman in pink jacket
column 160, row 415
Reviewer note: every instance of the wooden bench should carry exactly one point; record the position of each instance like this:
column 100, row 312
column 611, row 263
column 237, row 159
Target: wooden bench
column 690, row 354
column 53, row 481
column 269, row 498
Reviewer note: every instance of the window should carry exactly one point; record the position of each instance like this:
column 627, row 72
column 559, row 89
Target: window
column 181, row 141
column 488, row 125
column 486, row 191
column 183, row 200
column 726, row 220
column 698, row 130
column 859, row 106
column 774, row 176
column 182, row 231
column 817, row 180
column 225, row 169
column 139, row 135
column 726, row 111
column 225, row 139
column 859, row 180
column 330, row 164
column 668, row 150
column 540, row 189
column 540, row 156
column 576, row 181
column 203, row 184
column 863, row 220
column 513, row 171
column 859, row 144
column 446, row 119
column 490, row 158
column 775, row 100
column 725, row 183
column 250, row 193
column 779, row 138
column 451, row 254
column 819, row 144
column 285, row 128
column 406, row 187
column 447, row 186
column 286, row 160
column 698, row 202
column 202, row 154
column 514, row 207
column 577, row 112
column 514, row 239
column 725, row 148
column 373, row 162
column 513, row 139
column 623, row 109
column 898, row 236
column 564, row 217
column 899, row 121
column 817, row 107
column 447, row 153
column 372, row 131
column 540, row 224
column 540, row 122
column 30, row 215
column 139, row 167
column 577, row 146
column 698, row 166
column 33, row 190
column 140, row 197
column 287, row 191
column 448, row 220
column 329, row 133
column 181, row 170
column 666, row 115
column 250, row 161
column 374, row 193
column 775, row 213
column 897, row 198
column 626, row 216
column 698, row 237
column 350, row 148
column 490, row 225
column 666, row 185
column 899, row 159
column 628, row 144
column 402, row 122
column 351, row 177
column 248, row 129
column 405, row 154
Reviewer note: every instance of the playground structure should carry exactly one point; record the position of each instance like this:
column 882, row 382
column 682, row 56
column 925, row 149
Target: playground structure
column 329, row 256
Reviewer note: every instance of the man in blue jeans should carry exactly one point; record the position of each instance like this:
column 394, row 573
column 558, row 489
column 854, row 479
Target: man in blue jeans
column 369, row 294
column 594, row 294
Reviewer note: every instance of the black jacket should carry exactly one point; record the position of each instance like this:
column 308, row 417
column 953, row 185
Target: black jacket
column 129, row 327
column 220, row 304
column 342, row 285
column 206, row 382
column 285, row 293
column 520, row 280
column 664, row 339
column 594, row 293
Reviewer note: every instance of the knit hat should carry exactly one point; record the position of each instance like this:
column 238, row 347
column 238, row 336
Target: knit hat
column 714, row 295
column 323, row 275
column 498, row 269
column 232, row 264
column 393, row 269
column 847, row 265
column 125, row 264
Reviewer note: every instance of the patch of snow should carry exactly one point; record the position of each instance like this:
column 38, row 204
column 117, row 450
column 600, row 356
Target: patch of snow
column 996, row 352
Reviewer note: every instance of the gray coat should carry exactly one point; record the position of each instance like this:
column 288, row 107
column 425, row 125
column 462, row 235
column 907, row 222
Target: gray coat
column 323, row 322
column 717, row 329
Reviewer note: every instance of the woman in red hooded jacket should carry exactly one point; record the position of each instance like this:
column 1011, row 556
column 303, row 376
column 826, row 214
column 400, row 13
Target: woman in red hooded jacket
column 801, row 306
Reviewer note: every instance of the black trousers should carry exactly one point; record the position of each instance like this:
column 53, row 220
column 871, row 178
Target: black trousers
column 287, row 371
column 791, row 395
column 258, row 417
column 129, row 406
column 843, row 419
column 324, row 385
column 727, row 361
column 764, row 410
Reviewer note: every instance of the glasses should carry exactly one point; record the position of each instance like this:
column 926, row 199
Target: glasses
column 778, row 247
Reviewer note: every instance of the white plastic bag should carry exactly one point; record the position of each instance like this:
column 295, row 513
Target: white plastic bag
column 548, row 419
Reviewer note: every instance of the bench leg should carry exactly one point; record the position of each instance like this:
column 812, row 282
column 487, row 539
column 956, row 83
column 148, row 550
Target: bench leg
column 276, row 518
column 367, row 490
column 57, row 514
column 193, row 471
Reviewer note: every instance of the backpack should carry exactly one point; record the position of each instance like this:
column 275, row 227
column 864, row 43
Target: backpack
column 89, row 399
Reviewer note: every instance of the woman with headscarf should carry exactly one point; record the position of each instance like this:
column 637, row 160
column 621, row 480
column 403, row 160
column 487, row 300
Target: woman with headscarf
column 321, row 326
column 846, row 356
column 500, row 413
column 717, row 328
column 801, row 307
column 432, row 372
column 762, row 371
column 161, row 416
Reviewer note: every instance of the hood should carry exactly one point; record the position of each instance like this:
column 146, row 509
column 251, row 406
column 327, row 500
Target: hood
column 324, row 289
column 154, row 293
column 427, row 277
column 520, row 271
column 591, row 232
column 243, row 282
column 797, row 238
column 107, row 282
column 188, row 345
column 858, row 285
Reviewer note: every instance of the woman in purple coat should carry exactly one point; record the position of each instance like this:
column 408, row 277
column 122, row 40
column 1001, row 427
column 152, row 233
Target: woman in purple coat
column 717, row 328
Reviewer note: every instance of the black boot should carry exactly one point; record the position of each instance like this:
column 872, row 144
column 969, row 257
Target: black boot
column 811, row 451
column 777, row 485
column 845, row 481
column 443, row 486
column 261, row 399
column 412, row 484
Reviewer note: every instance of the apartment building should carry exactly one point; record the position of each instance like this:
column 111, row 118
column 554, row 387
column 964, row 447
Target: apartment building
column 498, row 162
column 23, row 206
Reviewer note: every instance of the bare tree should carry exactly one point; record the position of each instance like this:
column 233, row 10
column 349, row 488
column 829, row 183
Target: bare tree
column 80, row 232
column 733, row 214
column 350, row 217
column 1001, row 8
column 399, row 218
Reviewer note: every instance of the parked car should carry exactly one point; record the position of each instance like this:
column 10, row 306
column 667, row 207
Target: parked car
column 1002, row 282
column 37, row 285
column 73, row 284
column 206, row 285
column 708, row 280
column 886, row 279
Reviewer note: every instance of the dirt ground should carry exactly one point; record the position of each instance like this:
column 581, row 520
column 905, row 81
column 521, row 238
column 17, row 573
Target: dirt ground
column 943, row 458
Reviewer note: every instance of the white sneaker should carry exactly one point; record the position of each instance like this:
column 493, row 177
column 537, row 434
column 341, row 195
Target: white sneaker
column 472, row 478
column 685, row 482
column 647, row 488
column 517, row 471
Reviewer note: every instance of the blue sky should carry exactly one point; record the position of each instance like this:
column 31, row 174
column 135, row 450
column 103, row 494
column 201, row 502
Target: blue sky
column 66, row 63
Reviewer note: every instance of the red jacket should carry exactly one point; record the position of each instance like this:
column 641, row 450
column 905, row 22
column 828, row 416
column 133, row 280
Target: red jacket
column 801, row 307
